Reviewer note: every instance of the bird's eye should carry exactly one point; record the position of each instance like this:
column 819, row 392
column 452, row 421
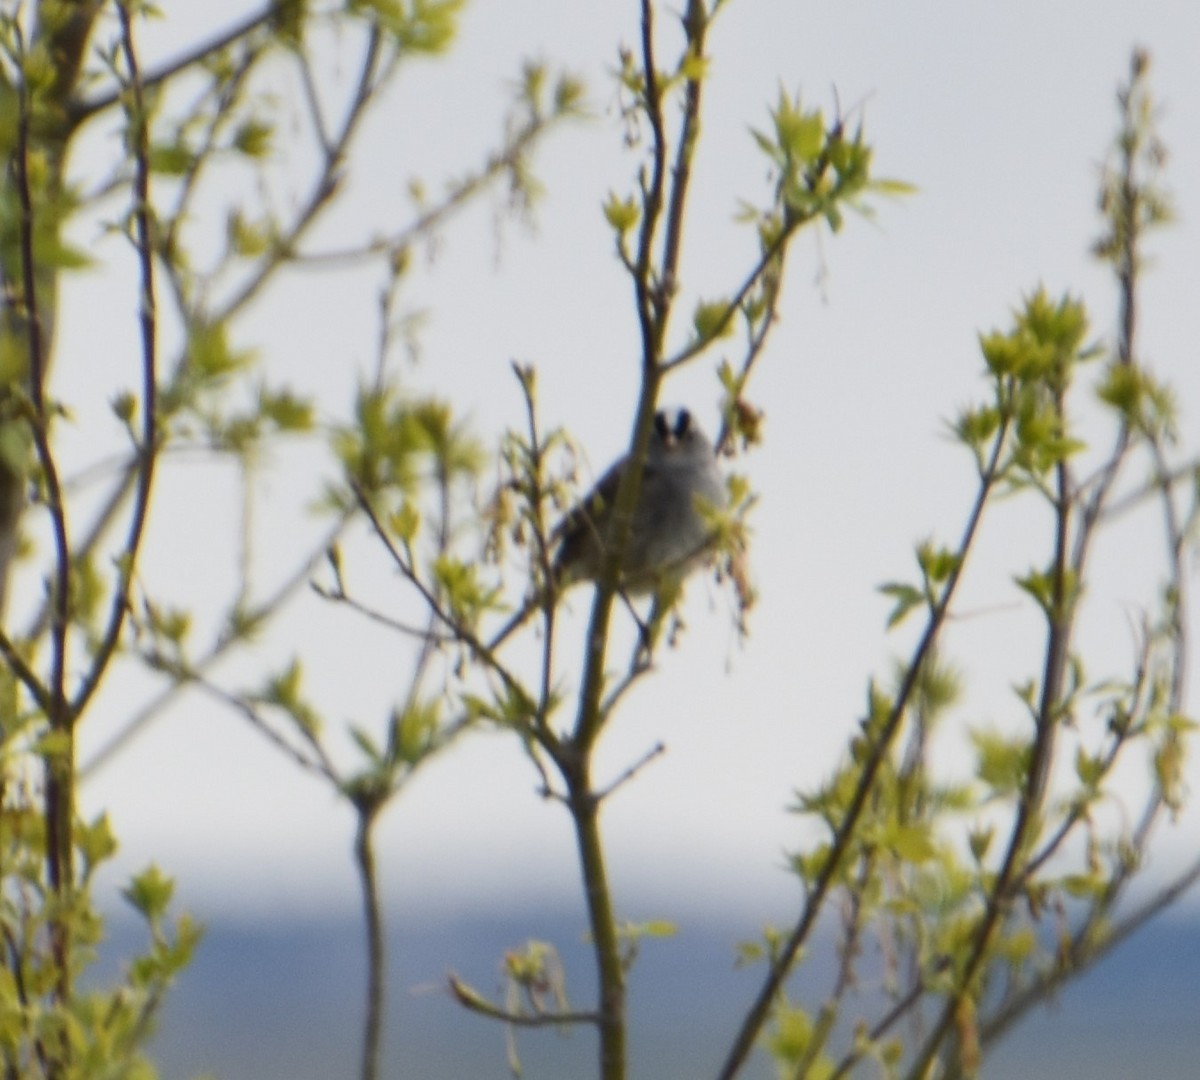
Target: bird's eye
column 683, row 423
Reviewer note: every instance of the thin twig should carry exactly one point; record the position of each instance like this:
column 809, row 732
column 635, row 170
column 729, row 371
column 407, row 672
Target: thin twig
column 421, row 633
column 656, row 751
column 328, row 182
column 138, row 722
column 781, row 966
column 147, row 320
column 457, row 198
column 467, row 997
column 1085, row 950
column 82, row 110
column 460, row 632
column 1060, row 618
column 320, row 764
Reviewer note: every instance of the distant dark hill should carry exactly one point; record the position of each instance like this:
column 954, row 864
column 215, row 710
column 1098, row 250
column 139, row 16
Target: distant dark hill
column 283, row 1001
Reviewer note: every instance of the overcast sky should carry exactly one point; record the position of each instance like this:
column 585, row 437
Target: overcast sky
column 1000, row 114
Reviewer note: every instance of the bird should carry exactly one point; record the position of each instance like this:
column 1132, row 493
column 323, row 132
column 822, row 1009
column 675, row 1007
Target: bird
column 670, row 536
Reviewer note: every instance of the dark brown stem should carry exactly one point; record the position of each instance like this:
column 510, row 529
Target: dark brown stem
column 696, row 28
column 147, row 451
column 59, row 763
column 648, row 301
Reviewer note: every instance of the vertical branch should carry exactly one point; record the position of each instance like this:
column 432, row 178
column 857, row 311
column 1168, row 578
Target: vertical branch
column 576, row 763
column 147, row 451
column 648, row 299
column 541, row 532
column 696, row 26
column 39, row 420
column 364, row 855
column 1126, row 214
column 654, row 288
column 585, row 809
column 59, row 758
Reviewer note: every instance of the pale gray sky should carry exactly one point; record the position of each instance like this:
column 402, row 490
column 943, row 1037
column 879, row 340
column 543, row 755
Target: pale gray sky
column 999, row 113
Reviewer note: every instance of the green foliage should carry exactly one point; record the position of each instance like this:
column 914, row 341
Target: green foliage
column 982, row 892
column 420, row 26
column 821, row 169
column 1033, row 901
column 94, row 1033
column 191, row 165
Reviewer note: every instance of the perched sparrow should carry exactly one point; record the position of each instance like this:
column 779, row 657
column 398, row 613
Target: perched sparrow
column 669, row 535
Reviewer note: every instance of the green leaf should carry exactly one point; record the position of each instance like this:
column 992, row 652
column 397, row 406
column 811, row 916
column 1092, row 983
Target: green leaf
column 749, row 952
column 287, row 411
column 1043, row 587
column 907, row 597
column 980, row 840
column 654, row 928
column 1090, row 768
column 801, row 134
column 1084, row 886
column 1003, row 762
column 694, row 68
column 96, row 842
column 253, row 138
column 569, row 93
column 621, row 214
column 54, row 744
column 421, row 26
column 171, row 159
column 769, row 147
column 894, row 187
column 712, row 320
column 937, row 563
column 414, row 732
column 210, row 356
column 975, row 427
column 246, row 239
column 1018, row 946
column 150, row 893
column 369, row 747
column 910, row 843
column 124, row 407
column 405, row 522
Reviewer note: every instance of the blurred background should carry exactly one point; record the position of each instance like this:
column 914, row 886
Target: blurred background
column 1002, row 116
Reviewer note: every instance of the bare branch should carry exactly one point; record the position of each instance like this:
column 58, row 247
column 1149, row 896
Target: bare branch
column 84, row 110
column 469, row 999
column 198, row 669
column 656, row 751
column 147, row 319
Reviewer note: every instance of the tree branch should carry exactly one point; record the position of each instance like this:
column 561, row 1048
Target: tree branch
column 80, row 111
